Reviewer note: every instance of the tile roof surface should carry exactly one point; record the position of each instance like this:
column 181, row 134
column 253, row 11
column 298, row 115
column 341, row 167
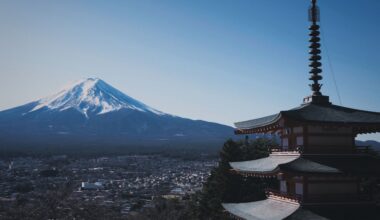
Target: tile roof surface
column 268, row 209
column 316, row 113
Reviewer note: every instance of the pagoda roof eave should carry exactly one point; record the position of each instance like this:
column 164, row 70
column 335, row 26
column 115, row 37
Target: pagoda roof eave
column 265, row 209
column 266, row 166
column 269, row 174
column 363, row 121
column 362, row 165
column 260, row 125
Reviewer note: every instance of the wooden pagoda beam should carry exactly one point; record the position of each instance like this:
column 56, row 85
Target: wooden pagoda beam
column 273, row 128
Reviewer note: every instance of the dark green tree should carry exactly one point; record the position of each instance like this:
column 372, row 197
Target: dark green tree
column 226, row 186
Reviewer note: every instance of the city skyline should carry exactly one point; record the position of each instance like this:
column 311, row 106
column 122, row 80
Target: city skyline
column 218, row 61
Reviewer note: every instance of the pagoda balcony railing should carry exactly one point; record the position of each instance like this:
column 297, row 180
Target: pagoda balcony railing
column 299, row 149
column 319, row 199
column 278, row 149
column 276, row 194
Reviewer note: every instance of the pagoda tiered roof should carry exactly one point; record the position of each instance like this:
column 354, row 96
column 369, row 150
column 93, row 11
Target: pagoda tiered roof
column 359, row 165
column 309, row 164
column 326, row 113
column 269, row 209
column 264, row 166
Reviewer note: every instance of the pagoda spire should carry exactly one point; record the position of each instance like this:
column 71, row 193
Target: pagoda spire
column 315, row 51
column 315, row 58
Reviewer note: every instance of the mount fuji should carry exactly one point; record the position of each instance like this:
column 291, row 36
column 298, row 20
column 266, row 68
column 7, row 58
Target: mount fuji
column 93, row 113
column 92, row 96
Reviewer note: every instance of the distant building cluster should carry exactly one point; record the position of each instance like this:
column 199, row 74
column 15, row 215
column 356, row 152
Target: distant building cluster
column 119, row 181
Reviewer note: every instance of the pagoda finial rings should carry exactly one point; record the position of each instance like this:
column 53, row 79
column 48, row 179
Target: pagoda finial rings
column 315, row 38
column 314, row 33
column 315, row 57
column 315, row 45
column 314, row 51
column 315, row 71
column 314, row 27
column 315, row 64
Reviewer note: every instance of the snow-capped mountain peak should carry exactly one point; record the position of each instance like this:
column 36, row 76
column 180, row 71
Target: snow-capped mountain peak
column 92, row 96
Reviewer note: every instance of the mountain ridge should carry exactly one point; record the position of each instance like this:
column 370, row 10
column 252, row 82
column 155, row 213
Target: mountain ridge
column 92, row 111
column 375, row 145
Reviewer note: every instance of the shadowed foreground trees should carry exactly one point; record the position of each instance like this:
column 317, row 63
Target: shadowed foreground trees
column 224, row 186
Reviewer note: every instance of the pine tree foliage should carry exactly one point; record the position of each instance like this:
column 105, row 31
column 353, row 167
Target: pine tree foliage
column 226, row 186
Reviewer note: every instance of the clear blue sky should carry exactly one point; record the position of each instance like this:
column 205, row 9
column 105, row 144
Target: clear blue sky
column 221, row 61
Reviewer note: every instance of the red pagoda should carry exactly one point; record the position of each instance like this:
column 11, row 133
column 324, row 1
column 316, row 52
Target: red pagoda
column 317, row 162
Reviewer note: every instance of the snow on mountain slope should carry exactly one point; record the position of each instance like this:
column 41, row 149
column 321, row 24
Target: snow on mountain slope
column 92, row 96
column 91, row 113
